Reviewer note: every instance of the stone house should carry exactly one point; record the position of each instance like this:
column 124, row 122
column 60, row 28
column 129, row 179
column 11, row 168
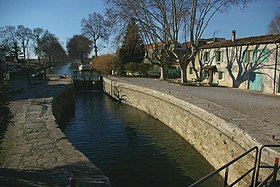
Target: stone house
column 247, row 63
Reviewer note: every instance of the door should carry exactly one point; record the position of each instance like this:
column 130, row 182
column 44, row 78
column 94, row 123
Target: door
column 255, row 81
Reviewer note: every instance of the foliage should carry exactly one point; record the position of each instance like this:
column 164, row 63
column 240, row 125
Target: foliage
column 274, row 26
column 95, row 27
column 50, row 51
column 104, row 63
column 119, row 67
column 24, row 35
column 141, row 68
column 51, row 47
column 132, row 49
column 6, row 114
column 131, row 67
column 79, row 47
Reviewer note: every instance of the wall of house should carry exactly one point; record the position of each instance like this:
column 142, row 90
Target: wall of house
column 217, row 140
column 261, row 66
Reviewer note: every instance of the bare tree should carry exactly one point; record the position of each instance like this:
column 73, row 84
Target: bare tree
column 201, row 13
column 24, row 35
column 37, row 41
column 8, row 35
column 159, row 22
column 274, row 26
column 163, row 21
column 47, row 48
column 94, row 27
column 51, row 51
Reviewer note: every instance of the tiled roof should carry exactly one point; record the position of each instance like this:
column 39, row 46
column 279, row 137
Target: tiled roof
column 152, row 45
column 265, row 39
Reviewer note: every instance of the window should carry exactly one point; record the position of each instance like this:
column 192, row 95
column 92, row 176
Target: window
column 205, row 74
column 247, row 56
column 221, row 75
column 264, row 54
column 207, row 56
column 261, row 55
column 219, row 56
column 191, row 70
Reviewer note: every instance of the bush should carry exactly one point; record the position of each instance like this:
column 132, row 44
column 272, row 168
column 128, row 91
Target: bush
column 104, row 63
column 5, row 112
column 138, row 68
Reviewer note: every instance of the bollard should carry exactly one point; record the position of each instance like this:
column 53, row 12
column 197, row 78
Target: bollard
column 276, row 163
column 72, row 181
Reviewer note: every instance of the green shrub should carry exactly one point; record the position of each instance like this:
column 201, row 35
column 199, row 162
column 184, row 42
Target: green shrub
column 5, row 111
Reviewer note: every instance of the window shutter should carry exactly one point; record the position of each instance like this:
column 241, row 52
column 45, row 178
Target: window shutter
column 244, row 56
column 263, row 55
column 222, row 56
column 255, row 55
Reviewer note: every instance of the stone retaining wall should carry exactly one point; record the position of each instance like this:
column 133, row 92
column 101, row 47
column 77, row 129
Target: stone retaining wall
column 217, row 140
column 64, row 104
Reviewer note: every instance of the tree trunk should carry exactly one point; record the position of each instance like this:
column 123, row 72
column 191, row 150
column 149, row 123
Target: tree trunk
column 95, row 47
column 183, row 69
column 163, row 72
column 45, row 73
column 28, row 76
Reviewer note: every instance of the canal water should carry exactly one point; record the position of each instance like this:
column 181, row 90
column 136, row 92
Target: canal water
column 132, row 148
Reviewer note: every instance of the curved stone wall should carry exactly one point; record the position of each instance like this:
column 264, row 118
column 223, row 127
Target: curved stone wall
column 218, row 141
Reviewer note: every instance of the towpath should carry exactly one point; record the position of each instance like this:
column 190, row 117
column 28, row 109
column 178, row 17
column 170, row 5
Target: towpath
column 256, row 113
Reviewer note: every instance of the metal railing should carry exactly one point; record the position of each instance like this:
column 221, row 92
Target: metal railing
column 226, row 168
column 255, row 170
column 275, row 167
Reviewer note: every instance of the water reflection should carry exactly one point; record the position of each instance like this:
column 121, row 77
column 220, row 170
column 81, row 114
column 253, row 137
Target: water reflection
column 62, row 70
column 131, row 147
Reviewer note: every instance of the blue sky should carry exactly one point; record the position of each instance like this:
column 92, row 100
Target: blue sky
column 63, row 17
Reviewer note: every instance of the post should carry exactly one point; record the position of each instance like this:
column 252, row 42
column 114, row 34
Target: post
column 275, row 69
column 226, row 177
column 276, row 168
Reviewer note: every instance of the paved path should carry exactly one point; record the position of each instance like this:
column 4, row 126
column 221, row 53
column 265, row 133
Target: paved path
column 256, row 113
column 39, row 154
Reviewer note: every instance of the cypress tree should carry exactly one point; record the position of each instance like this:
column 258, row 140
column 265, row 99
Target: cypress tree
column 132, row 49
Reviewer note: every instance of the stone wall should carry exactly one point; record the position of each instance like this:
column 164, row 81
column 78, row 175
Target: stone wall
column 217, row 140
column 64, row 104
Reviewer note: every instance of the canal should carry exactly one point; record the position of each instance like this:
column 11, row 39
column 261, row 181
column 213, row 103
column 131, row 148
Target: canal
column 131, row 147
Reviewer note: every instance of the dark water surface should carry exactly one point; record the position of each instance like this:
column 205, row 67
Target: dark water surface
column 132, row 148
column 62, row 70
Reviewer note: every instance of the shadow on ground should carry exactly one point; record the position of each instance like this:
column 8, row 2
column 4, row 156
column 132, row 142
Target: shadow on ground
column 58, row 176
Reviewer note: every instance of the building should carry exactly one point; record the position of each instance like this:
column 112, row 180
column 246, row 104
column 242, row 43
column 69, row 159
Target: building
column 246, row 63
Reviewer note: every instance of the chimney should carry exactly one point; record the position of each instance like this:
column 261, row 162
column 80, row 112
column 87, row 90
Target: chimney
column 233, row 35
